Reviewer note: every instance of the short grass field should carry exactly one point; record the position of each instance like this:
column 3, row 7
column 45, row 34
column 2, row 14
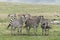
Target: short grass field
column 48, row 11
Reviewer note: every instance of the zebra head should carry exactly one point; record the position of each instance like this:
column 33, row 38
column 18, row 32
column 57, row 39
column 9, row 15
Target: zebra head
column 12, row 17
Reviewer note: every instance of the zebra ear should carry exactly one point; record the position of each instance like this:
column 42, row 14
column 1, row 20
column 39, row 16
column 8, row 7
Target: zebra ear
column 14, row 15
column 9, row 15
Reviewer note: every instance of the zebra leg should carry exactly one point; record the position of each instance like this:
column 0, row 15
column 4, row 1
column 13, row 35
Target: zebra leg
column 35, row 29
column 28, row 29
column 13, row 30
column 8, row 26
column 20, row 30
column 42, row 31
column 47, row 31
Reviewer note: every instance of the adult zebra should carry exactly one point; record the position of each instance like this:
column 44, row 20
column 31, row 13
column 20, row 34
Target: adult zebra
column 45, row 25
column 33, row 22
column 16, row 22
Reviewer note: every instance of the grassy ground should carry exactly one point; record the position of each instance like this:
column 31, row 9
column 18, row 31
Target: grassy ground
column 23, row 8
column 30, row 38
column 5, row 34
column 49, row 11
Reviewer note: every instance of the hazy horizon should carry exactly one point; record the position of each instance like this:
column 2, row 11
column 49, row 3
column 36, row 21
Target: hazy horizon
column 34, row 1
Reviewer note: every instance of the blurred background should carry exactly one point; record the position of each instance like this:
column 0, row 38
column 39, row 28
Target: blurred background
column 34, row 1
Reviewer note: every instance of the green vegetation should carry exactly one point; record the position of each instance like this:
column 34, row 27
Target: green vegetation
column 29, row 38
column 54, row 34
column 46, row 10
column 25, row 8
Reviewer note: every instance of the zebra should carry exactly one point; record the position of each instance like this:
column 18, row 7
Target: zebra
column 45, row 25
column 32, row 22
column 15, row 23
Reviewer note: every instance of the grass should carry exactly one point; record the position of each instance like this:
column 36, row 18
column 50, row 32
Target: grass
column 54, row 34
column 30, row 38
column 49, row 11
column 25, row 8
column 5, row 34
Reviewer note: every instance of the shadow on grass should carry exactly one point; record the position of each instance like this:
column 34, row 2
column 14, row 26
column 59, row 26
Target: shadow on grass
column 22, row 35
column 28, row 35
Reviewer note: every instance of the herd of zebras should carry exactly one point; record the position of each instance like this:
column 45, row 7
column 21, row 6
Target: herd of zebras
column 29, row 22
